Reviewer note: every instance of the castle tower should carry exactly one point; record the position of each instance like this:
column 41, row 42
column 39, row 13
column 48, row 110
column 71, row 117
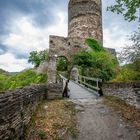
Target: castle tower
column 85, row 19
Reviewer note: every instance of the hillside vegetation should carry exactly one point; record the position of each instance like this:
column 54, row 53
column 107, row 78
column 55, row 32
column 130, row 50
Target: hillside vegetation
column 24, row 78
column 129, row 72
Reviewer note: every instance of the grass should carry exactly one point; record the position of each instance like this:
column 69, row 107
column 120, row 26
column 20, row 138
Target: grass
column 54, row 120
column 128, row 113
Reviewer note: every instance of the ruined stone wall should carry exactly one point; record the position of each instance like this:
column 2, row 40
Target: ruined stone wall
column 129, row 92
column 85, row 19
column 17, row 107
column 61, row 47
column 58, row 47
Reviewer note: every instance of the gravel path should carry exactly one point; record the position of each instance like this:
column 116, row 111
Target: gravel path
column 96, row 121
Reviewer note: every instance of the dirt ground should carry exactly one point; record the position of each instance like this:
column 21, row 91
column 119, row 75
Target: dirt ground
column 84, row 116
column 96, row 121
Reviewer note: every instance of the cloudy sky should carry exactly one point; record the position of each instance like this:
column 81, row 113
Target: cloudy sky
column 25, row 26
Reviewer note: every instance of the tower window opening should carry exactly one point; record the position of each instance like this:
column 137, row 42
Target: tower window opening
column 69, row 44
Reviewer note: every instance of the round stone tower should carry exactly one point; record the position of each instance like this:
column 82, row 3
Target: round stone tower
column 85, row 19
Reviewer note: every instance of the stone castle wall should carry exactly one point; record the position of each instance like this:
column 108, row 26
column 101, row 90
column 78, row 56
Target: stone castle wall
column 61, row 47
column 85, row 19
column 129, row 92
column 17, row 107
column 65, row 46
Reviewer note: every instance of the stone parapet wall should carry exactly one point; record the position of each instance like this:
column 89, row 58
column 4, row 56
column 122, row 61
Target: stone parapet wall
column 129, row 92
column 17, row 107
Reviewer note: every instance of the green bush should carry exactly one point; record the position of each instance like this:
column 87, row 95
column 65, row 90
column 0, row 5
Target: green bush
column 97, row 64
column 3, row 78
column 24, row 78
column 96, row 61
column 106, row 65
column 127, row 75
column 61, row 64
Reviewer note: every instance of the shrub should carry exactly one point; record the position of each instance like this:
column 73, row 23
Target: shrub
column 97, row 64
column 127, row 75
column 3, row 78
column 24, row 78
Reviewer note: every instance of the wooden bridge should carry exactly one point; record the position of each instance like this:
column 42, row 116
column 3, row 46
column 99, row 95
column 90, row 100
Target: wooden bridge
column 84, row 87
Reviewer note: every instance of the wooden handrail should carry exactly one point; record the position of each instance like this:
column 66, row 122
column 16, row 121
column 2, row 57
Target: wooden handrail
column 82, row 79
column 62, row 77
column 92, row 79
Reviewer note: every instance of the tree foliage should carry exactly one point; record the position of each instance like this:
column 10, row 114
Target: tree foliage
column 61, row 64
column 96, row 62
column 128, row 8
column 83, row 59
column 3, row 78
column 24, row 78
column 36, row 58
column 94, row 45
column 127, row 74
column 131, row 53
column 130, row 57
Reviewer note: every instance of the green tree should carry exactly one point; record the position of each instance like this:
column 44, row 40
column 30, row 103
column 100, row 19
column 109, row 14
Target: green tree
column 3, row 79
column 36, row 58
column 83, row 59
column 94, row 45
column 127, row 74
column 61, row 64
column 131, row 53
column 105, row 64
column 128, row 8
column 96, row 62
column 21, row 79
column 91, row 60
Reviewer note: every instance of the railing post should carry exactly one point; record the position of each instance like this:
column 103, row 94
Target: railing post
column 79, row 79
column 84, row 80
column 97, row 83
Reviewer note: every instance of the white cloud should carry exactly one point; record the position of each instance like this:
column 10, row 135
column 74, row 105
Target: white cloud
column 9, row 63
column 60, row 28
column 1, row 51
column 24, row 37
column 111, row 41
column 115, row 28
column 116, row 37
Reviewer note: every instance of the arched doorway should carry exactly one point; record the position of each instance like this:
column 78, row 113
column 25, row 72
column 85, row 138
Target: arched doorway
column 58, row 64
column 61, row 66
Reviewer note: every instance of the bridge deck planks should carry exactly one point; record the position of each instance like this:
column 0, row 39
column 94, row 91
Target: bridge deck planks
column 78, row 92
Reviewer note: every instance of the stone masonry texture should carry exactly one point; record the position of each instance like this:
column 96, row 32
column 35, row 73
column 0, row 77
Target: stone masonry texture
column 129, row 92
column 17, row 107
column 85, row 19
